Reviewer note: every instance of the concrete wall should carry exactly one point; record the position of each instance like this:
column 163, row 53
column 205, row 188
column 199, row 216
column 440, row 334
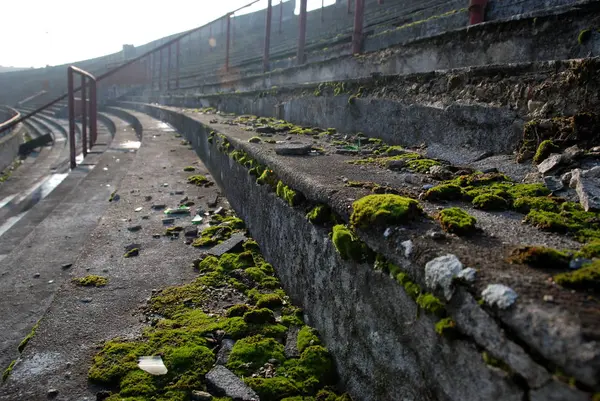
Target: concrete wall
column 383, row 351
column 9, row 146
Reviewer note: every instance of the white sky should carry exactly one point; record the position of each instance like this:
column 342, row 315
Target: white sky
column 42, row 32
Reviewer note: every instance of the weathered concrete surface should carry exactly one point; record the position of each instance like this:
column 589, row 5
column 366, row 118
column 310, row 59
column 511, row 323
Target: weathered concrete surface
column 339, row 299
column 9, row 146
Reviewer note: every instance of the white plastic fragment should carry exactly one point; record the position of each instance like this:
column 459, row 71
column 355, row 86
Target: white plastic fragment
column 467, row 274
column 440, row 272
column 138, row 209
column 153, row 365
column 387, row 233
column 499, row 295
column 408, row 248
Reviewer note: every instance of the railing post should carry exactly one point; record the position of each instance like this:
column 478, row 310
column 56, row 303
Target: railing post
column 357, row 37
column 169, row 67
column 349, row 7
column 301, row 33
column 160, row 68
column 93, row 113
column 280, row 15
column 83, row 116
column 477, row 11
column 267, row 36
column 71, row 102
column 227, row 42
column 177, row 65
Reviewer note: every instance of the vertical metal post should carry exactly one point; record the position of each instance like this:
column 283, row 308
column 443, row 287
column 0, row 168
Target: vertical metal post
column 322, row 11
column 210, row 36
column 169, row 68
column 160, row 68
column 227, row 42
column 93, row 114
column 349, row 7
column 71, row 103
column 300, row 57
column 280, row 14
column 83, row 116
column 177, row 65
column 357, row 36
column 267, row 36
column 380, row 2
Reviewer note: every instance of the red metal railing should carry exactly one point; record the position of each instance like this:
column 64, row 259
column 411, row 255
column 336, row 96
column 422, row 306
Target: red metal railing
column 85, row 76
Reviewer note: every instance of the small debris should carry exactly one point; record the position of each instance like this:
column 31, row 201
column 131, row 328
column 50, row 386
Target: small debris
column 388, row 231
column 169, row 220
column 138, row 209
column 36, row 275
column 224, row 381
column 134, row 228
column 148, row 198
column 229, row 245
column 427, row 187
column 50, row 281
column 198, row 395
column 158, row 206
column 86, row 300
column 396, row 164
column 165, row 184
column 499, row 295
column 293, row 150
column 156, row 236
column 153, row 365
column 197, row 219
column 220, row 210
column 578, row 263
column 179, row 192
column 408, row 248
column 548, row 298
column 212, row 200
column 52, row 393
column 436, row 235
column 178, row 210
column 191, row 231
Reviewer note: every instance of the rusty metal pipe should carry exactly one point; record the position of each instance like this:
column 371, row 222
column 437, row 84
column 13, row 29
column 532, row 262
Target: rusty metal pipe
column 357, row 35
column 477, row 11
column 83, row 116
column 267, row 36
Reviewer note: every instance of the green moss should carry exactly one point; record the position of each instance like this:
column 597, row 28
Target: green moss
column 267, row 177
column 540, row 257
column 255, row 139
column 497, row 363
column 91, row 281
column 189, row 168
column 216, row 234
column 270, row 301
column 456, row 220
column 237, row 310
column 8, row 370
column 112, row 195
column 137, row 383
column 544, row 150
column 259, row 316
column 287, row 194
column 586, row 278
column 211, row 136
column 445, row 327
column 198, row 180
column 430, row 303
column 272, row 389
column 347, row 244
column 490, row 202
column 249, row 354
column 171, row 231
column 383, row 210
column 584, row 36
column 307, row 337
column 412, row 289
column 589, row 251
column 131, row 253
column 422, row 165
column 527, row 203
column 444, row 192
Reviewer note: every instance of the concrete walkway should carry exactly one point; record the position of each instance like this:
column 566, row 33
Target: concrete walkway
column 79, row 318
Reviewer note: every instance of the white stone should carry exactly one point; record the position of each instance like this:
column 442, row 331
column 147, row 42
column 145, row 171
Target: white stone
column 153, row 365
column 550, row 163
column 440, row 272
column 408, row 248
column 499, row 295
column 467, row 274
column 587, row 188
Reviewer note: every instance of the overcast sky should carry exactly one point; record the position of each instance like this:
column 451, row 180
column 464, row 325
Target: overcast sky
column 41, row 32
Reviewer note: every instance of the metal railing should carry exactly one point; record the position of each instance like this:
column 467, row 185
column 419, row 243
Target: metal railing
column 85, row 76
column 10, row 122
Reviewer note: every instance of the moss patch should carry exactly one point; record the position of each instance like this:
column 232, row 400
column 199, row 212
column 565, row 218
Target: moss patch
column 540, row 257
column 490, row 202
column 8, row 370
column 319, row 214
column 586, row 278
column 255, row 139
column 199, row 180
column 347, row 244
column 132, row 252
column 446, row 327
column 457, row 221
column 544, row 150
column 307, row 337
column 383, row 210
column 91, row 281
column 286, row 193
column 29, row 336
column 251, row 353
column 189, row 168
column 430, row 303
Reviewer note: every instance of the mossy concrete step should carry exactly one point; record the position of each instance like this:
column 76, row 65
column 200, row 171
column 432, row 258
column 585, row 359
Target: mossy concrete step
column 397, row 337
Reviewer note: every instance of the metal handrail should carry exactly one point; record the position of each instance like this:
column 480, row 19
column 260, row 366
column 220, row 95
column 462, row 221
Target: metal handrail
column 10, row 122
column 85, row 76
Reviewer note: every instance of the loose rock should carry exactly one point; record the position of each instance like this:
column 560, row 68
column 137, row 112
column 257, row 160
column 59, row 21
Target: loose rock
column 291, row 347
column 231, row 244
column 553, row 184
column 52, row 392
column 499, row 295
column 468, row 274
column 224, row 351
column 440, row 272
column 553, row 161
column 134, row 228
column 225, row 382
column 588, row 189
column 396, row 164
column 201, row 396
column 293, row 150
column 440, row 173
